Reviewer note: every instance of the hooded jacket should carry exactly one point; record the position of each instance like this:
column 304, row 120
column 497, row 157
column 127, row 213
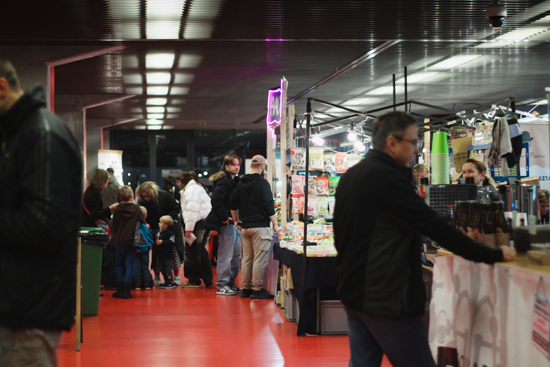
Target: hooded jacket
column 254, row 201
column 221, row 197
column 40, row 201
column 195, row 204
column 125, row 219
column 378, row 223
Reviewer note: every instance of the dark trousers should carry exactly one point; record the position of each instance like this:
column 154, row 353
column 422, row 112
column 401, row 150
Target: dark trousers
column 165, row 265
column 196, row 265
column 125, row 260
column 142, row 275
column 402, row 339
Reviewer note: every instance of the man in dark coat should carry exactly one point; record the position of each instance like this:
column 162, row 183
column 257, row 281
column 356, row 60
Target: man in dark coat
column 219, row 219
column 40, row 200
column 378, row 223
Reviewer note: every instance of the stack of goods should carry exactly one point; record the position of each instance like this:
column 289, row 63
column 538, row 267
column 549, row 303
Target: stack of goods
column 321, row 191
column 321, row 161
column 320, row 234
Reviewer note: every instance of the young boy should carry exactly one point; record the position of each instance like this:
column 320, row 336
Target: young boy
column 125, row 219
column 164, row 250
column 142, row 275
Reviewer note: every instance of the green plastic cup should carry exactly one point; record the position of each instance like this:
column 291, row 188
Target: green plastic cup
column 439, row 143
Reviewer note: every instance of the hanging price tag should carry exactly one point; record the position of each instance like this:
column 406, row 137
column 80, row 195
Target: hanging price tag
column 541, row 321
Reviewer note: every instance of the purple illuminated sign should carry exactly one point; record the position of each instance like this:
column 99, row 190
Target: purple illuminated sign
column 275, row 107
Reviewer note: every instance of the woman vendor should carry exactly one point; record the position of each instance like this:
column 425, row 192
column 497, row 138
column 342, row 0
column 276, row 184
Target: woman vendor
column 477, row 169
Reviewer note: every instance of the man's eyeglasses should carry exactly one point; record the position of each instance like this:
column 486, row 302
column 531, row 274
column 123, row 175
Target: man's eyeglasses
column 417, row 142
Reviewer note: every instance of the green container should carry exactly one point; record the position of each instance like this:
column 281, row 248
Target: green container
column 92, row 241
column 439, row 143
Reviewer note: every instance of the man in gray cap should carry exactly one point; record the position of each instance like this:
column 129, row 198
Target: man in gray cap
column 252, row 208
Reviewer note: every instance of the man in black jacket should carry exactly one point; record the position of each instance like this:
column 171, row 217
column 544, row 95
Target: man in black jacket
column 219, row 219
column 378, row 222
column 40, row 200
column 252, row 202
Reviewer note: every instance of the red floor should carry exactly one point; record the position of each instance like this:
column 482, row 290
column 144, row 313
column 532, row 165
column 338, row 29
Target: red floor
column 195, row 327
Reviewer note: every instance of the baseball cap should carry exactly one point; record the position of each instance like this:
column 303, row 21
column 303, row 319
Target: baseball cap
column 257, row 160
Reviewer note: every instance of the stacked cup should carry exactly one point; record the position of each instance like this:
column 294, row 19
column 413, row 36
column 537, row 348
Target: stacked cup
column 440, row 159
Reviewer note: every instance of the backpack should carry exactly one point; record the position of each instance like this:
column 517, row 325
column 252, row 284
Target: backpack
column 142, row 237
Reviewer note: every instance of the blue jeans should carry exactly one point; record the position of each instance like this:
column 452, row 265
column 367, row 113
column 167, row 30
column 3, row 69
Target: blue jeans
column 402, row 339
column 125, row 257
column 141, row 268
column 229, row 255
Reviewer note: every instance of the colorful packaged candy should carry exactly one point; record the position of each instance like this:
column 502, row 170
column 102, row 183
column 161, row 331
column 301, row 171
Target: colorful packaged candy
column 341, row 163
column 329, row 162
column 311, row 186
column 322, row 205
column 333, row 184
column 321, row 186
column 298, row 159
column 316, row 162
column 298, row 184
column 352, row 160
column 312, row 206
column 298, row 205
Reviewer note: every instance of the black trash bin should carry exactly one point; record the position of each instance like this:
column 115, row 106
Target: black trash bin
column 92, row 240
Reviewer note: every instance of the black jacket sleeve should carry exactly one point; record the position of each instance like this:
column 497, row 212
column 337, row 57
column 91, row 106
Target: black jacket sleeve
column 94, row 204
column 235, row 197
column 218, row 195
column 267, row 201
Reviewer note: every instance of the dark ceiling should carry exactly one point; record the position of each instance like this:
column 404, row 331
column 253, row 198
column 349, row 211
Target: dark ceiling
column 220, row 57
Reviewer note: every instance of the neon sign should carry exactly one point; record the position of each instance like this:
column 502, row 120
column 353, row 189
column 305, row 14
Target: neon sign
column 275, row 106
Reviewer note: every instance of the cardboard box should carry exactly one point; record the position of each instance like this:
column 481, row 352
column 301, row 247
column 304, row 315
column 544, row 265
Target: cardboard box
column 289, row 283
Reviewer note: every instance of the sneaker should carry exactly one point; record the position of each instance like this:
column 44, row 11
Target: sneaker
column 191, row 284
column 261, row 294
column 146, row 287
column 246, row 293
column 236, row 289
column 177, row 280
column 168, row 286
column 225, row 291
column 138, row 288
column 157, row 280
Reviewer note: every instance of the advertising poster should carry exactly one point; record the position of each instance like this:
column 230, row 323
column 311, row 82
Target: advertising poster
column 539, row 150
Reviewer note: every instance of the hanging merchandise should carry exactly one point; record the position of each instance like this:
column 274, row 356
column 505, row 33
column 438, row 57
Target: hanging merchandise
column 312, row 206
column 316, row 162
column 341, row 162
column 352, row 160
column 331, row 202
column 311, row 186
column 322, row 206
column 298, row 205
column 329, row 162
column 298, row 159
column 321, row 186
column 298, row 184
column 333, row 184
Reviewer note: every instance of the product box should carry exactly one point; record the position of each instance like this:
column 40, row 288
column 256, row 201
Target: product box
column 333, row 318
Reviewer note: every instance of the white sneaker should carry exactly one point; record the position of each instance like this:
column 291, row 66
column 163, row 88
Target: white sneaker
column 157, row 280
column 177, row 280
column 225, row 291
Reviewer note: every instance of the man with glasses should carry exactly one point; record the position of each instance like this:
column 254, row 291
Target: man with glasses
column 219, row 219
column 252, row 208
column 378, row 223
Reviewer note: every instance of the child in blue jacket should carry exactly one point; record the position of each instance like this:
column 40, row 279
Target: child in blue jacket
column 164, row 250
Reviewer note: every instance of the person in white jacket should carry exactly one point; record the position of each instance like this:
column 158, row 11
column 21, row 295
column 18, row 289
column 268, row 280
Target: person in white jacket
column 195, row 206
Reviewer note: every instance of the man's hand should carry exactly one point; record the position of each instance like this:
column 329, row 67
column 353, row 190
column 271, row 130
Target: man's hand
column 508, row 253
column 158, row 242
column 275, row 228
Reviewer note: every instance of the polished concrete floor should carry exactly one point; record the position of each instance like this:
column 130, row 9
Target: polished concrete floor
column 195, row 327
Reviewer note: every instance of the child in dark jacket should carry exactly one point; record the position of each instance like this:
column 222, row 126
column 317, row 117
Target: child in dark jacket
column 164, row 250
column 125, row 219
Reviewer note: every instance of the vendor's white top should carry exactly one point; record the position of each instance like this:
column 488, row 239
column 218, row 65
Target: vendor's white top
column 195, row 204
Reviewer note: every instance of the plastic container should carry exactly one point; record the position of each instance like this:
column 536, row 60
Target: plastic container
column 92, row 241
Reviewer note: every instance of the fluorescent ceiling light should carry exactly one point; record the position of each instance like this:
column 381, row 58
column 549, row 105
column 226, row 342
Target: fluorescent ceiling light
column 137, row 115
column 134, row 90
column 125, row 15
column 453, row 62
column 157, row 101
column 179, row 91
column 182, row 78
column 155, row 115
column 189, row 61
column 159, row 91
column 200, row 19
column 158, row 78
column 159, row 61
column 162, row 29
column 167, row 127
column 172, row 115
column 155, row 109
column 418, row 77
column 177, row 101
column 154, row 122
column 173, row 109
column 154, row 127
column 136, row 110
column 132, row 78
column 140, row 127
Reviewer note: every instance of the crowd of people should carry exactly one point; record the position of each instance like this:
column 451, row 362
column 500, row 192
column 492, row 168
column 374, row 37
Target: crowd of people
column 177, row 230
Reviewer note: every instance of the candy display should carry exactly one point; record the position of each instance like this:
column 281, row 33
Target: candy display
column 321, row 186
column 298, row 159
column 322, row 206
column 298, row 184
column 311, row 186
column 341, row 163
column 298, row 204
column 333, row 184
column 316, row 162
column 352, row 160
column 319, row 234
column 329, row 162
